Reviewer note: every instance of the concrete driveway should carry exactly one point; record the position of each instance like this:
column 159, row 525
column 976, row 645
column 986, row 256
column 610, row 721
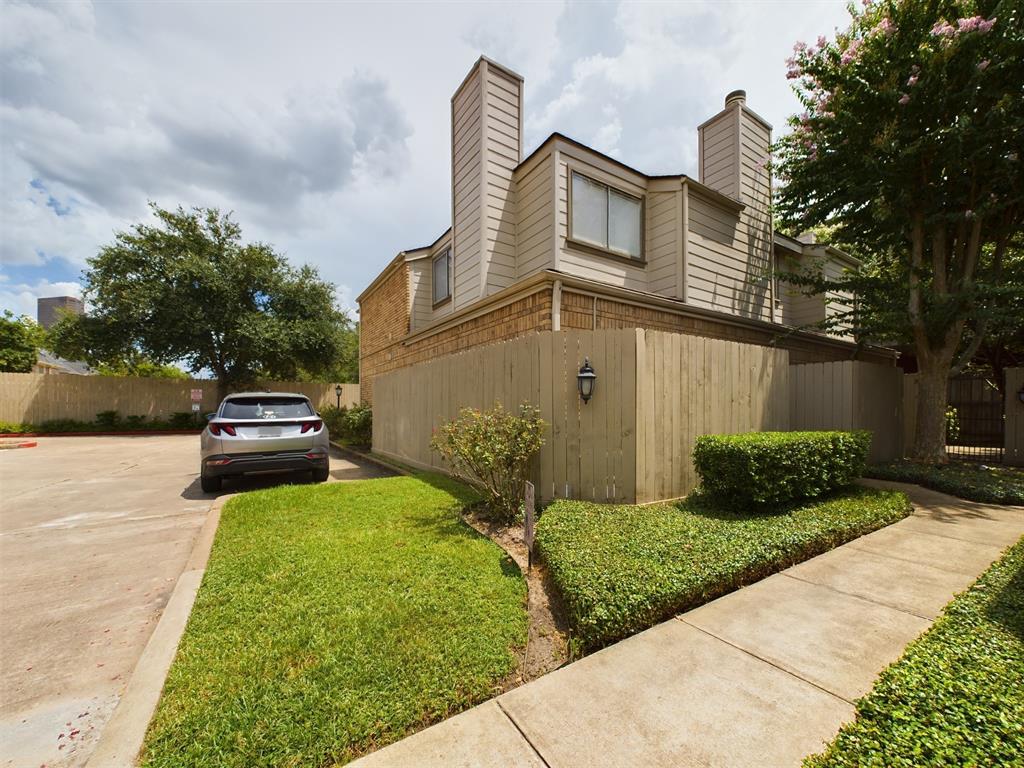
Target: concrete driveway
column 94, row 532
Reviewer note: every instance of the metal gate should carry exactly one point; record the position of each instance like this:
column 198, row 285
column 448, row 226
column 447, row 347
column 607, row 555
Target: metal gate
column 974, row 427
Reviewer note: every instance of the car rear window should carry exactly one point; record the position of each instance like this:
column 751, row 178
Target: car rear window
column 266, row 408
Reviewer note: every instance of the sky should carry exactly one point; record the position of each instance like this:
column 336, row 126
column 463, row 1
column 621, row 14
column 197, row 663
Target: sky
column 324, row 127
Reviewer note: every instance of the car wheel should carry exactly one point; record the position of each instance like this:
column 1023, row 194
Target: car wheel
column 210, row 484
column 321, row 475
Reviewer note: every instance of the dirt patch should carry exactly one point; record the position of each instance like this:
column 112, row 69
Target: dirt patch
column 547, row 643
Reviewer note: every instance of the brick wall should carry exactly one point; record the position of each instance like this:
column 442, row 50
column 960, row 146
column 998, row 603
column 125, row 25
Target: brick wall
column 580, row 312
column 383, row 351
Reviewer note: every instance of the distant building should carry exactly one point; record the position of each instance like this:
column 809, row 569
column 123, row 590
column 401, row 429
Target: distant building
column 50, row 363
column 48, row 310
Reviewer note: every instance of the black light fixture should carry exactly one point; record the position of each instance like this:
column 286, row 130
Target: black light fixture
column 337, row 393
column 1020, row 394
column 585, row 381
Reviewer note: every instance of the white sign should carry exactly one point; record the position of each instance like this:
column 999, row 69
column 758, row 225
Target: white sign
column 197, row 397
column 195, row 407
column 528, row 504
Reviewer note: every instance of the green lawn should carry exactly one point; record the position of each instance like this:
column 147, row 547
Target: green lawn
column 336, row 619
column 621, row 569
column 957, row 695
column 968, row 480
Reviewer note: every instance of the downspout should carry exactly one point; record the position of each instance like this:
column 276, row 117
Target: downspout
column 685, row 292
column 556, row 306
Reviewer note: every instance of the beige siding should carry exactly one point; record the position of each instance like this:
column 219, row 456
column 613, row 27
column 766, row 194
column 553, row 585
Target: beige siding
column 608, row 270
column 535, row 217
column 838, row 302
column 718, row 161
column 467, row 121
column 502, row 98
column 664, row 210
column 722, row 275
column 420, row 294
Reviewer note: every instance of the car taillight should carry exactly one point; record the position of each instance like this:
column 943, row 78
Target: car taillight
column 228, row 429
column 315, row 426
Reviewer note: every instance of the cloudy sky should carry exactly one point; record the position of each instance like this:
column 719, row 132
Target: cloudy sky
column 324, row 126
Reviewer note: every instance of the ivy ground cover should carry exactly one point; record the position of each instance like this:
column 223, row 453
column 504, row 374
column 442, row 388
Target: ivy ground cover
column 621, row 569
column 956, row 697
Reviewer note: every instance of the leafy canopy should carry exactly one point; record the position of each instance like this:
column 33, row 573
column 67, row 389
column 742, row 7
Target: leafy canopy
column 189, row 290
column 20, row 341
column 910, row 150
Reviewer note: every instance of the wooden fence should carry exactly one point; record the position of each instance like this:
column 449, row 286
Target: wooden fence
column 655, row 393
column 850, row 394
column 34, row 398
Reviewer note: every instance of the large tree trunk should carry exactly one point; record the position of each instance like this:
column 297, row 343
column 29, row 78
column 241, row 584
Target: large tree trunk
column 932, row 399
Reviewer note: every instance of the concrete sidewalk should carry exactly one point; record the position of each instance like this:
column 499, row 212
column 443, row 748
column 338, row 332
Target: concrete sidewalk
column 761, row 677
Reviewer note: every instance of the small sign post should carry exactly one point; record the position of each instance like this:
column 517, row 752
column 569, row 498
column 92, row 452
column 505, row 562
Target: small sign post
column 197, row 396
column 528, row 504
column 195, row 407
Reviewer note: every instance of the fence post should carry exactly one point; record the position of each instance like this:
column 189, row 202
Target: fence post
column 1013, row 410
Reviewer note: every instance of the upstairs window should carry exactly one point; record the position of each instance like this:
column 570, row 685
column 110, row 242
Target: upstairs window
column 441, row 274
column 606, row 218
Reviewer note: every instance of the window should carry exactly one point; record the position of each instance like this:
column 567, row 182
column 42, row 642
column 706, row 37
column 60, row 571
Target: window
column 261, row 407
column 606, row 218
column 442, row 270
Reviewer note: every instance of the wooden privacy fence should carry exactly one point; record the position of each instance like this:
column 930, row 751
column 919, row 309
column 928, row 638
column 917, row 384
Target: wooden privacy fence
column 850, row 394
column 34, row 398
column 655, row 393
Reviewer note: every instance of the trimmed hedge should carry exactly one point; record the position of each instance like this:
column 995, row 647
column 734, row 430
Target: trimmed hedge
column 974, row 482
column 957, row 695
column 621, row 569
column 757, row 469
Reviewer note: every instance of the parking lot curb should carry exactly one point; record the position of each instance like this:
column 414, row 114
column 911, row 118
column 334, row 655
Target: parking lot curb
column 122, row 737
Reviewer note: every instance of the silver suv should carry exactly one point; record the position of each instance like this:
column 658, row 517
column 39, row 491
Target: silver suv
column 263, row 432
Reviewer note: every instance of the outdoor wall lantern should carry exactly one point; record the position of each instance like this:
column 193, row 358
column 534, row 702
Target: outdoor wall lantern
column 337, row 393
column 585, row 381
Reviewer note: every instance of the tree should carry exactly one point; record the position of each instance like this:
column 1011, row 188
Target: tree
column 911, row 145
column 20, row 341
column 142, row 368
column 189, row 291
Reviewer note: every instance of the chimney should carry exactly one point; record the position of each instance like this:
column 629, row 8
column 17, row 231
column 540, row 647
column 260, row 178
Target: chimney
column 486, row 147
column 734, row 151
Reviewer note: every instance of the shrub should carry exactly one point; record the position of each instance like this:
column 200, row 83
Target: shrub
column 108, row 420
column 134, row 422
column 182, row 420
column 760, row 469
column 359, row 424
column 491, row 451
column 353, row 426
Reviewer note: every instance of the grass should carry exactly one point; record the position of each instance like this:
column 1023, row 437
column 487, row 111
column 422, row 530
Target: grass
column 956, row 697
column 333, row 620
column 975, row 482
column 621, row 569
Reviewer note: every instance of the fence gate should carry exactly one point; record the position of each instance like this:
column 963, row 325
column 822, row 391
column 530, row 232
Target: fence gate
column 976, row 431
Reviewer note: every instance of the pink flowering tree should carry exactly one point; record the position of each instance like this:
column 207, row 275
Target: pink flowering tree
column 910, row 149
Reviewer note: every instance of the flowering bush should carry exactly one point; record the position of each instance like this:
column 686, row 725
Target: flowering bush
column 491, row 451
column 909, row 149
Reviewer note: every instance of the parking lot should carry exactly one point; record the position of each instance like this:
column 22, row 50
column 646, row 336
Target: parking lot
column 94, row 532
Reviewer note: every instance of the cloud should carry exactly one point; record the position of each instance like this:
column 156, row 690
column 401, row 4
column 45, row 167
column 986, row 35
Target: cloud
column 20, row 298
column 325, row 127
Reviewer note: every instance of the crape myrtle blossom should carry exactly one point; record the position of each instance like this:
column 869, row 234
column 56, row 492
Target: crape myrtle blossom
column 851, row 52
column 983, row 65
column 905, row 99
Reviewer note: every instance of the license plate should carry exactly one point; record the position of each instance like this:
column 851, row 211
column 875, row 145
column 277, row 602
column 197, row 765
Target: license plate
column 270, row 432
